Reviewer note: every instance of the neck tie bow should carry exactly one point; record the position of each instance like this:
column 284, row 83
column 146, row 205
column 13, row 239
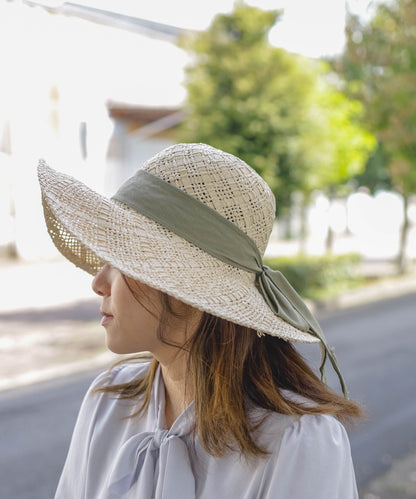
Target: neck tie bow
column 153, row 465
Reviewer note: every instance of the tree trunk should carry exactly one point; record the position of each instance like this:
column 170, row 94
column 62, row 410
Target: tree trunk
column 329, row 243
column 402, row 262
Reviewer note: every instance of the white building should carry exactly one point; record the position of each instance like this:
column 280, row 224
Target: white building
column 81, row 93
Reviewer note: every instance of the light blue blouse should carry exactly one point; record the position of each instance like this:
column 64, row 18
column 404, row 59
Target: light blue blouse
column 113, row 457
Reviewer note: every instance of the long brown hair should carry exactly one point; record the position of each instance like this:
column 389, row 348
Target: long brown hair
column 231, row 369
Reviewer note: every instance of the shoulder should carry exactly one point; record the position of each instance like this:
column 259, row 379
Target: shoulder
column 97, row 403
column 122, row 373
column 321, row 436
column 315, row 429
column 96, row 399
column 320, row 427
column 313, row 459
column 305, row 430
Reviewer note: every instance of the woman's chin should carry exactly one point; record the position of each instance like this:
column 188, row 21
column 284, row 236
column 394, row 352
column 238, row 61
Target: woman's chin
column 120, row 349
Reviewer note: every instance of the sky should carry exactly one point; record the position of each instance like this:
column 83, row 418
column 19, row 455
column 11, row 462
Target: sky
column 312, row 28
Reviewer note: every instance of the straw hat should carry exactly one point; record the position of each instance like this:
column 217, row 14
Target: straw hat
column 91, row 230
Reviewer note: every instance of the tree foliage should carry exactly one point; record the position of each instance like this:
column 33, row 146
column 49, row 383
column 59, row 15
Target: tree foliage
column 335, row 144
column 247, row 97
column 376, row 175
column 380, row 66
column 274, row 109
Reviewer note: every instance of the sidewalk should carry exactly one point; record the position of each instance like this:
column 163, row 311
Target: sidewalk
column 49, row 323
column 49, row 327
column 399, row 482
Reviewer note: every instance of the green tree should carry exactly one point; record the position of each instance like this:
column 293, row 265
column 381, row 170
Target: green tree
column 376, row 175
column 273, row 109
column 334, row 145
column 247, row 97
column 379, row 64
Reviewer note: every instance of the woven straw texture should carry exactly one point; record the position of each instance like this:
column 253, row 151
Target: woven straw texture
column 90, row 230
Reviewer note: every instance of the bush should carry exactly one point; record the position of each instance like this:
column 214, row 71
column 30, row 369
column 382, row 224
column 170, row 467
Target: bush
column 318, row 277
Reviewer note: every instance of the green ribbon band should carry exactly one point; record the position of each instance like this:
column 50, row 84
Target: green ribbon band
column 202, row 226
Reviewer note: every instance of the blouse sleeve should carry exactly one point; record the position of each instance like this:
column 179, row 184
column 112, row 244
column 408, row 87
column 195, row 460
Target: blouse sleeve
column 314, row 460
column 72, row 479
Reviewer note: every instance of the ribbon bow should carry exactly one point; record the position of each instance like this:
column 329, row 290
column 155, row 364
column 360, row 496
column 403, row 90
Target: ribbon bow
column 151, row 462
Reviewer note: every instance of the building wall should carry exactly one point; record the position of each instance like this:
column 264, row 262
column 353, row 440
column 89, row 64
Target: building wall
column 58, row 73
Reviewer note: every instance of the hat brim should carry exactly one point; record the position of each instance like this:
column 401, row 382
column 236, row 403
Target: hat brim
column 91, row 230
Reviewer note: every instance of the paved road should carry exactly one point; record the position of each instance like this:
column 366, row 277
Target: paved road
column 376, row 345
column 36, row 425
column 376, row 348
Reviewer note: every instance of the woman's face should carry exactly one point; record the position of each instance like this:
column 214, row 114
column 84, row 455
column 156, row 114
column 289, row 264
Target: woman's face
column 131, row 326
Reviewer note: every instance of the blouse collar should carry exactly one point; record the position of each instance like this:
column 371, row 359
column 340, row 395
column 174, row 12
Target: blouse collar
column 156, row 463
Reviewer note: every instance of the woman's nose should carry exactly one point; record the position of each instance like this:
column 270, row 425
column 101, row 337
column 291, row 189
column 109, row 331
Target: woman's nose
column 100, row 284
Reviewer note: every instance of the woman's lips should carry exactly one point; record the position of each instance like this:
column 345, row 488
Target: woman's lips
column 106, row 318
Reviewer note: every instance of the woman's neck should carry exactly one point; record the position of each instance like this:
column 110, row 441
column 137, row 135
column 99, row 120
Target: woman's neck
column 178, row 389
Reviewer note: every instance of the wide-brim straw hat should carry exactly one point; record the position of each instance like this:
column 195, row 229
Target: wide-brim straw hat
column 91, row 230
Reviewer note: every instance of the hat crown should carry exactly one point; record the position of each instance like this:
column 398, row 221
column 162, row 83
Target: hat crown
column 221, row 181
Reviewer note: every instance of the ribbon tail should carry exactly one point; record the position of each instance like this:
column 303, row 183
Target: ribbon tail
column 328, row 353
column 176, row 478
column 335, row 366
column 134, row 459
column 285, row 302
column 324, row 356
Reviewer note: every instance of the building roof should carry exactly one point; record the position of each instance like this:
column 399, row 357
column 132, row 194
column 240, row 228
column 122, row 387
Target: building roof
column 145, row 27
column 140, row 115
column 146, row 121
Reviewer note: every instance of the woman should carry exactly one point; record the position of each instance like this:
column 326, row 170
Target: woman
column 224, row 406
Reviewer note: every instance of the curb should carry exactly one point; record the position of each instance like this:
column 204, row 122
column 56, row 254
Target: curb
column 383, row 289
column 41, row 375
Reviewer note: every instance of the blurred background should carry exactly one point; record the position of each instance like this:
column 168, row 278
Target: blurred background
column 317, row 96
